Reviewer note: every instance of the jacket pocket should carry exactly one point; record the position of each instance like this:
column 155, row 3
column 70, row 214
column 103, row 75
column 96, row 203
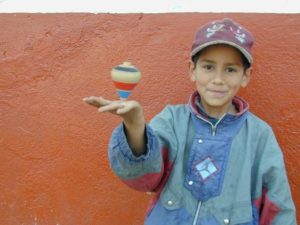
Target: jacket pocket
column 237, row 215
column 170, row 200
column 169, row 210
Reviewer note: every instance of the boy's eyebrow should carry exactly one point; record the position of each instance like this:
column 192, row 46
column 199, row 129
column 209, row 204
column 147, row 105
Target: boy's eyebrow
column 206, row 60
column 231, row 64
column 211, row 61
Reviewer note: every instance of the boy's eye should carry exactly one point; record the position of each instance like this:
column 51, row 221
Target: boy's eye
column 207, row 67
column 231, row 70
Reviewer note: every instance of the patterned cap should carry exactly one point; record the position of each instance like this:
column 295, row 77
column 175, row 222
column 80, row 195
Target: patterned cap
column 224, row 32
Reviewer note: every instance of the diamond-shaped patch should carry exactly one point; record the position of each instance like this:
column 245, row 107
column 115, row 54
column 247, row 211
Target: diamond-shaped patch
column 206, row 168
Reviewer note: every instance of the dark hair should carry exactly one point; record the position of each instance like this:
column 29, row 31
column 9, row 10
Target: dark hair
column 245, row 62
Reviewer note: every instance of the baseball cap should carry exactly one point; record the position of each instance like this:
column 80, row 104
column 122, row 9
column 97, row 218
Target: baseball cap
column 224, row 31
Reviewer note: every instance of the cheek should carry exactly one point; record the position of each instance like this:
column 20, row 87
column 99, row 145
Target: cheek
column 234, row 86
column 202, row 80
column 200, row 84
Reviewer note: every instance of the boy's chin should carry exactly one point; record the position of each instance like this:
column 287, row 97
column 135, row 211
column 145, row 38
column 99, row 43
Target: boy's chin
column 216, row 103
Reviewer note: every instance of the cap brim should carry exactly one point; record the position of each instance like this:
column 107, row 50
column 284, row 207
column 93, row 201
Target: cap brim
column 242, row 50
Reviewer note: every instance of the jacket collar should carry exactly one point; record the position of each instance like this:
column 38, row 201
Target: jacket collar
column 241, row 105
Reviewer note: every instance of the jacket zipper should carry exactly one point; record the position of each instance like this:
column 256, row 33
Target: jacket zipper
column 213, row 130
column 213, row 127
column 197, row 213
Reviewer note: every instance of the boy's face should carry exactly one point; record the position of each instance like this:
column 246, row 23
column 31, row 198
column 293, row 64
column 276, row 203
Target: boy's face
column 218, row 76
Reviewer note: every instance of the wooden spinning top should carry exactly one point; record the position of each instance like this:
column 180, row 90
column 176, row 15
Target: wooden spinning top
column 125, row 77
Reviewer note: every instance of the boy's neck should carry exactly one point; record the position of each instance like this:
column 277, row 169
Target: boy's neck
column 218, row 112
column 237, row 107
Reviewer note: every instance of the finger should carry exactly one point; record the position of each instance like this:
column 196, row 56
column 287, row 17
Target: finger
column 91, row 102
column 125, row 107
column 112, row 107
column 96, row 101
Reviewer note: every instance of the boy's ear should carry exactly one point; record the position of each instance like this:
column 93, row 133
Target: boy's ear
column 246, row 77
column 191, row 71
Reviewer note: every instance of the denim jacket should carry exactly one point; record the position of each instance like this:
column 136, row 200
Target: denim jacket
column 231, row 172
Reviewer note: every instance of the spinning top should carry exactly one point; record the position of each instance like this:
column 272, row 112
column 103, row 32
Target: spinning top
column 125, row 77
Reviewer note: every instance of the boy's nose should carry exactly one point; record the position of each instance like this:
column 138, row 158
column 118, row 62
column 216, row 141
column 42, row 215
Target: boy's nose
column 218, row 77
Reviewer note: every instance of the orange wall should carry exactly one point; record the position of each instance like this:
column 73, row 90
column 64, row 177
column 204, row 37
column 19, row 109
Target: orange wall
column 53, row 159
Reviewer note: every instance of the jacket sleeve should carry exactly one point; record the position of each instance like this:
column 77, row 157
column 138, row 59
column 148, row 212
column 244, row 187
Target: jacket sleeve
column 274, row 202
column 150, row 171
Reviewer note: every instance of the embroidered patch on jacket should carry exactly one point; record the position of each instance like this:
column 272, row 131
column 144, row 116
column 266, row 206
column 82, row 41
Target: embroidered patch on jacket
column 206, row 168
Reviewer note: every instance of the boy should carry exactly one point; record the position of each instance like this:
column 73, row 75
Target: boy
column 211, row 161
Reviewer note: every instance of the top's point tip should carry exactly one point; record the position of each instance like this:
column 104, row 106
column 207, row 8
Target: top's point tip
column 127, row 63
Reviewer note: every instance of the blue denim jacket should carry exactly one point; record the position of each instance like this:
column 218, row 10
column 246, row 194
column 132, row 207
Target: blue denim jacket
column 203, row 174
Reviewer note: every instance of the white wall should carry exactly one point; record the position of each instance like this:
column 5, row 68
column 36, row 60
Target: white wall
column 150, row 6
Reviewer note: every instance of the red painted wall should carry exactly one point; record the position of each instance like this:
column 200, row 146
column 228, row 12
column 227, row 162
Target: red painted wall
column 53, row 147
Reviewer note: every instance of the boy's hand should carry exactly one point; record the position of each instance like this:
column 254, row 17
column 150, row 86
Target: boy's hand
column 132, row 114
column 128, row 110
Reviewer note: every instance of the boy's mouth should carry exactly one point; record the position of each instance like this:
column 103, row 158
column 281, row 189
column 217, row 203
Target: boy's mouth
column 217, row 93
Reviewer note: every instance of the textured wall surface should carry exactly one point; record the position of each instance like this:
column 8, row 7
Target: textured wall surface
column 53, row 147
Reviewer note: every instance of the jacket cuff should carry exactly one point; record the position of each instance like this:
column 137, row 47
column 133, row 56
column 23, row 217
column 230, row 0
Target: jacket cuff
column 119, row 143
